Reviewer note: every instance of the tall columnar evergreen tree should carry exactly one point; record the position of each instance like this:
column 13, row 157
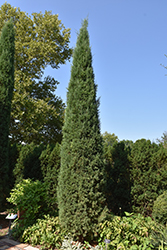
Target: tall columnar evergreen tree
column 7, row 48
column 81, row 178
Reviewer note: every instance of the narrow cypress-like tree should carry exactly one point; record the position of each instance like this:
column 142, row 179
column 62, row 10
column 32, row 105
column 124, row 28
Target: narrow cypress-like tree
column 81, row 177
column 7, row 48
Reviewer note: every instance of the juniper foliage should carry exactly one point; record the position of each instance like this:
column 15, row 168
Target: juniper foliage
column 81, row 178
column 7, row 49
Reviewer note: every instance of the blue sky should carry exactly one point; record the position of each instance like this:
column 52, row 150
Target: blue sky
column 129, row 42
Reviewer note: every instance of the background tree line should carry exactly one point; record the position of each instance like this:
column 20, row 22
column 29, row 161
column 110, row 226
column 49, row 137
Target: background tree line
column 135, row 172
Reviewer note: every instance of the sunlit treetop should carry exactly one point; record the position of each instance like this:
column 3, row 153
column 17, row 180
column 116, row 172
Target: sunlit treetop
column 41, row 40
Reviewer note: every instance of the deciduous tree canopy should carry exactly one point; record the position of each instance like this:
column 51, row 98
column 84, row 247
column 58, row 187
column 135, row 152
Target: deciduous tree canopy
column 41, row 41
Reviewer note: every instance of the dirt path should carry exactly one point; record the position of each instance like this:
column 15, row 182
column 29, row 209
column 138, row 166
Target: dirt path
column 4, row 224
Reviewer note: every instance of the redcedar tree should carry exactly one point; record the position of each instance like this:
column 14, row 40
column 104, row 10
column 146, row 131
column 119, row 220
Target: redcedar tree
column 7, row 50
column 81, row 178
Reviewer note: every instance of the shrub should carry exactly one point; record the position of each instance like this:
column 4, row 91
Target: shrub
column 129, row 232
column 160, row 208
column 69, row 244
column 46, row 232
column 29, row 196
column 159, row 240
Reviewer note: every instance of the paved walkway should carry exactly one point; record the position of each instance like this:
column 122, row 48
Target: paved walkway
column 6, row 243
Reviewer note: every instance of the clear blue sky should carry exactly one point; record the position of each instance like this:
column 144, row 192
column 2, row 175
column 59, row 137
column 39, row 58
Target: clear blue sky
column 128, row 40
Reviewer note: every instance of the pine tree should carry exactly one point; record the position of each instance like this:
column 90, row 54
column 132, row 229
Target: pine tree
column 7, row 48
column 81, row 178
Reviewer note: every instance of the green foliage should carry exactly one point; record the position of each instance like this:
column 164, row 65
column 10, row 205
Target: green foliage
column 69, row 244
column 28, row 163
column 108, row 141
column 136, row 174
column 159, row 161
column 7, row 50
column 118, row 179
column 159, row 238
column 128, row 144
column 45, row 232
column 45, row 159
column 117, row 166
column 144, row 175
column 50, row 166
column 41, row 41
column 128, row 232
column 40, row 163
column 29, row 197
column 163, row 140
column 81, row 178
column 160, row 208
column 13, row 156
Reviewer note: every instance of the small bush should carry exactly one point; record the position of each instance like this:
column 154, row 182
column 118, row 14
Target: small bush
column 46, row 232
column 159, row 238
column 29, row 197
column 69, row 244
column 129, row 232
column 160, row 208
